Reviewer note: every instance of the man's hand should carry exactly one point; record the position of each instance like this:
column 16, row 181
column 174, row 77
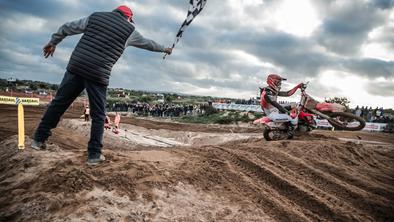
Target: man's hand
column 48, row 50
column 168, row 51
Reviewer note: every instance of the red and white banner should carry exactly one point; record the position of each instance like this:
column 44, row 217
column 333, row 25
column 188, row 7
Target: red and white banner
column 368, row 126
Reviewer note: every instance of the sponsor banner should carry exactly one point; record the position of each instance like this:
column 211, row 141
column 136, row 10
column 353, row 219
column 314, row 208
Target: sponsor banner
column 375, row 126
column 237, row 107
column 16, row 100
column 368, row 126
column 322, row 123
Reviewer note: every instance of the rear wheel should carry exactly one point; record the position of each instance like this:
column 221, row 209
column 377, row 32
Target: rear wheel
column 268, row 135
column 346, row 121
column 272, row 135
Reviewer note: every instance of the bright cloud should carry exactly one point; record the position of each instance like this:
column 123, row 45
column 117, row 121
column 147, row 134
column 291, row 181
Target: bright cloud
column 295, row 17
column 357, row 88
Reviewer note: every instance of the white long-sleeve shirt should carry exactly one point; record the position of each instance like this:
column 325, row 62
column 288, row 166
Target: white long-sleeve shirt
column 79, row 26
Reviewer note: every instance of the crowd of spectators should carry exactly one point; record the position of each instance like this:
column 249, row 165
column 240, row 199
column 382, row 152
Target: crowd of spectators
column 250, row 101
column 158, row 110
column 247, row 102
column 376, row 115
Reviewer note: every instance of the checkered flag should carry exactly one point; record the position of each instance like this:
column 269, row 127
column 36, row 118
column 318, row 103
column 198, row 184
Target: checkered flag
column 195, row 8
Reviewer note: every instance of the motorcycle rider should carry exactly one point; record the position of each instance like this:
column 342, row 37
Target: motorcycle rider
column 269, row 104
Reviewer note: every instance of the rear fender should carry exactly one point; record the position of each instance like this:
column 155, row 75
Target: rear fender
column 267, row 122
column 263, row 120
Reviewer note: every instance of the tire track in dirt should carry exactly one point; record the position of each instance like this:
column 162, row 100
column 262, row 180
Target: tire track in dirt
column 314, row 208
column 329, row 187
column 359, row 181
column 372, row 167
column 241, row 185
column 271, row 169
column 371, row 170
column 269, row 200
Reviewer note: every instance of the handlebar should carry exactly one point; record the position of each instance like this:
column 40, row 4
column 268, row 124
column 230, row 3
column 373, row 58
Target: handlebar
column 304, row 85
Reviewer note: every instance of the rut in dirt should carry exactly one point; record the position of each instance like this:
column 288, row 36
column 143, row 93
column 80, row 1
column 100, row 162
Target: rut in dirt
column 291, row 188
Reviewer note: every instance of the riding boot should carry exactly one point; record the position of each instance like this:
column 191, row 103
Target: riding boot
column 290, row 131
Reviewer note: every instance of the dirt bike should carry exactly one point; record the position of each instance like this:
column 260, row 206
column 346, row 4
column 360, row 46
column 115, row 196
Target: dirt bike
column 307, row 110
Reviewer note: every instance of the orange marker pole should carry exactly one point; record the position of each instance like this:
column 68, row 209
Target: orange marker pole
column 21, row 127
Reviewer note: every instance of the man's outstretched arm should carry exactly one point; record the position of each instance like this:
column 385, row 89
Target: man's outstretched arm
column 137, row 40
column 67, row 29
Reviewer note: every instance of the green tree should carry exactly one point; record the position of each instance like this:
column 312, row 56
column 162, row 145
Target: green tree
column 168, row 98
column 43, row 85
column 340, row 100
column 145, row 99
column 54, row 87
column 33, row 86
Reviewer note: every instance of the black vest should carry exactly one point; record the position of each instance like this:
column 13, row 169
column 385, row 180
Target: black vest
column 101, row 46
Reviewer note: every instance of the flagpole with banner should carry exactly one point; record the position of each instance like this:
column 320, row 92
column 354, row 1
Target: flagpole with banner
column 195, row 7
column 20, row 102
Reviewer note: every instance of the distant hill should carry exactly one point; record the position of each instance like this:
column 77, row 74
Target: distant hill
column 114, row 94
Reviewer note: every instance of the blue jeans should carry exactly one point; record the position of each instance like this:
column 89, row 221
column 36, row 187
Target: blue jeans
column 70, row 88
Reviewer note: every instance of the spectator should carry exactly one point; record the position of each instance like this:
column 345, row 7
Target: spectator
column 381, row 111
column 86, row 113
column 358, row 111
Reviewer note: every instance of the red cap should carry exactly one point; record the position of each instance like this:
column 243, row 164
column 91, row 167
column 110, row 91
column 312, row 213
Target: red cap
column 126, row 11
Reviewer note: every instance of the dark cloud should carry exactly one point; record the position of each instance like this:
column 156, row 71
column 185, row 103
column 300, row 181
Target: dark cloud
column 370, row 68
column 386, row 36
column 381, row 88
column 383, row 4
column 347, row 26
column 295, row 55
column 42, row 8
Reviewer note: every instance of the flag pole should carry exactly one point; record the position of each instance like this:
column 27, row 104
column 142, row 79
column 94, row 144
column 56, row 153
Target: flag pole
column 195, row 8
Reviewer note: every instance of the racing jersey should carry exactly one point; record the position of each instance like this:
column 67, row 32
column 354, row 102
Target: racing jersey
column 268, row 99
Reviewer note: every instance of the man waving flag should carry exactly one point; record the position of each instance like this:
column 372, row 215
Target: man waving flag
column 195, row 8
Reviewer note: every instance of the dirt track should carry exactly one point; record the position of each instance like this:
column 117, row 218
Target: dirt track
column 312, row 178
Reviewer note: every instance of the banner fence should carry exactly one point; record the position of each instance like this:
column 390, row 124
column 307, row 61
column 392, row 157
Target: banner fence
column 16, row 100
column 376, row 127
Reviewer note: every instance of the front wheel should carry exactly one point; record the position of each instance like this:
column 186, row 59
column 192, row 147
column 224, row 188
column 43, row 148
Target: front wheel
column 346, row 121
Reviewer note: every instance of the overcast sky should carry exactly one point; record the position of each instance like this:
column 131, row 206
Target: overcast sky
column 343, row 47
